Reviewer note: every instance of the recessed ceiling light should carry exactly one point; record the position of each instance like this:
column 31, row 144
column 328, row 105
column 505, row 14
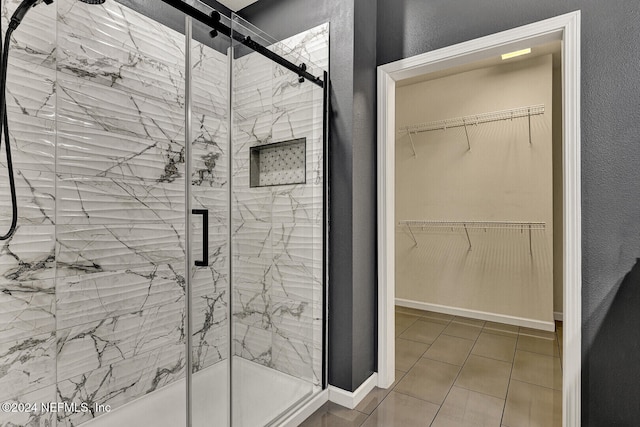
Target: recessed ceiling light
column 516, row 53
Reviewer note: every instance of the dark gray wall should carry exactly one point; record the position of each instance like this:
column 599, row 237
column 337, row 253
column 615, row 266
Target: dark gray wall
column 610, row 167
column 352, row 271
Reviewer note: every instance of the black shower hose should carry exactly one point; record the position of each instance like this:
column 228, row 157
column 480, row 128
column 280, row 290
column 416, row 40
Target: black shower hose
column 4, row 128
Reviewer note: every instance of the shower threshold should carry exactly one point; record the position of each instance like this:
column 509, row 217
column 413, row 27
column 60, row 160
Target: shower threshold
column 265, row 395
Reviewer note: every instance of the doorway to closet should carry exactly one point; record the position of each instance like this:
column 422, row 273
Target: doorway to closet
column 479, row 225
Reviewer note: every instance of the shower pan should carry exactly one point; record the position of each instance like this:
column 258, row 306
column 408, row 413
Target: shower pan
column 168, row 262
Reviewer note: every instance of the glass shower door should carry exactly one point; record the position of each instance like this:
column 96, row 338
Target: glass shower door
column 276, row 225
column 209, row 196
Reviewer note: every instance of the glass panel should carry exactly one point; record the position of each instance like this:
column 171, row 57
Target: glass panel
column 209, row 197
column 120, row 225
column 92, row 306
column 276, row 230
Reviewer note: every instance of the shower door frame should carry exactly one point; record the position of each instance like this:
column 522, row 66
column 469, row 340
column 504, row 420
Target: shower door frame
column 307, row 405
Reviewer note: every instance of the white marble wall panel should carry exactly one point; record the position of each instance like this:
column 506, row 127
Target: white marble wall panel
column 209, row 161
column 38, row 418
column 98, row 200
column 209, row 297
column 209, row 190
column 294, row 356
column 91, row 346
column 277, row 231
column 88, row 298
column 121, row 382
column 114, row 46
column 29, row 255
column 35, row 194
column 35, row 40
column 209, row 319
column 26, row 309
column 107, row 132
column 297, row 204
column 210, row 346
column 31, row 105
column 27, row 259
column 253, row 344
column 96, row 103
column 90, row 249
column 27, row 364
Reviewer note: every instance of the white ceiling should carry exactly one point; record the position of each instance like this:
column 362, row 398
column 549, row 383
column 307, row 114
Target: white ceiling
column 236, row 5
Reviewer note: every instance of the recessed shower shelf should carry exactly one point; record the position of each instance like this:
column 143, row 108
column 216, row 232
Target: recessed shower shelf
column 476, row 119
column 521, row 226
column 279, row 163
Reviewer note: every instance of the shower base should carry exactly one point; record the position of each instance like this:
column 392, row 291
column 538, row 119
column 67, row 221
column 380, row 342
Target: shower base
column 264, row 394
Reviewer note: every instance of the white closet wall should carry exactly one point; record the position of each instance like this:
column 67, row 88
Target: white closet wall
column 503, row 177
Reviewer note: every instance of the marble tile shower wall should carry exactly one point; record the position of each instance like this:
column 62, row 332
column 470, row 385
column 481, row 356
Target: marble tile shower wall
column 27, row 260
column 277, row 231
column 92, row 301
column 209, row 190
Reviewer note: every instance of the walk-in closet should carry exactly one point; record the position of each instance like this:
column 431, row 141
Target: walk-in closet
column 475, row 206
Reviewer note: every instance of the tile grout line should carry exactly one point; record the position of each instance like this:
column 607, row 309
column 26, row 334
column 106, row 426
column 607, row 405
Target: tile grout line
column 513, row 362
column 460, row 371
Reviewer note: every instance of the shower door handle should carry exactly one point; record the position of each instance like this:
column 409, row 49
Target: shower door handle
column 205, row 236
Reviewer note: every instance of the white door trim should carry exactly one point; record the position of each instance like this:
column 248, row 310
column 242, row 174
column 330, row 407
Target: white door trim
column 567, row 29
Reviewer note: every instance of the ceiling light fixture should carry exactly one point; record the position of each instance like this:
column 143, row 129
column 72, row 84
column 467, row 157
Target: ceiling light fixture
column 516, row 53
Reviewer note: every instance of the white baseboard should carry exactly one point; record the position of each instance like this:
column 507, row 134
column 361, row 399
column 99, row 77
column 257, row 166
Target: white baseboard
column 557, row 315
column 350, row 399
column 311, row 406
column 475, row 314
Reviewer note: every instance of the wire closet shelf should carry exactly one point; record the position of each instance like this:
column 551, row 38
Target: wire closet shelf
column 476, row 119
column 521, row 226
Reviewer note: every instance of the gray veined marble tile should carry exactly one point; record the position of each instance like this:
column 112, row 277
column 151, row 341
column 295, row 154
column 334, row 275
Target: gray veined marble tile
column 252, row 307
column 90, row 114
column 297, row 281
column 209, row 152
column 295, row 357
column 35, row 193
column 31, row 105
column 216, row 200
column 297, row 204
column 94, row 345
column 93, row 249
column 38, row 418
column 209, row 347
column 26, row 309
column 252, row 274
column 33, row 143
column 249, row 204
column 254, row 344
column 30, row 89
column 291, row 318
column 35, row 41
column 122, row 382
column 85, row 298
column 27, row 365
column 29, row 255
column 251, row 238
column 218, row 240
column 210, row 73
column 97, row 200
column 293, row 242
column 213, row 278
column 117, row 47
column 310, row 45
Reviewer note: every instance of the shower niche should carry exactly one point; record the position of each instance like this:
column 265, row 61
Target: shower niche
column 279, row 163
column 123, row 123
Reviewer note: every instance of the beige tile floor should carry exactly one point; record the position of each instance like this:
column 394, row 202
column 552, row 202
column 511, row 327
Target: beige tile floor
column 458, row 372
